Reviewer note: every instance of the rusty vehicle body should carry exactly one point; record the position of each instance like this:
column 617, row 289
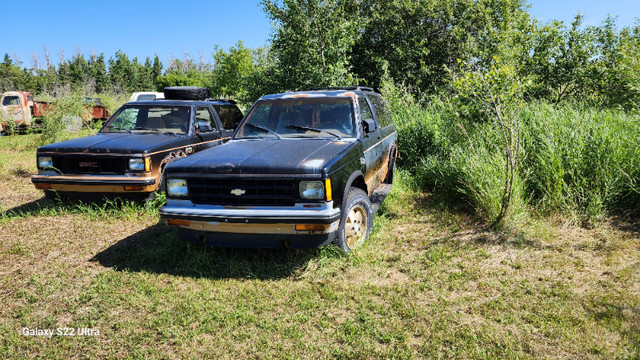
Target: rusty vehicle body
column 129, row 153
column 301, row 171
column 19, row 108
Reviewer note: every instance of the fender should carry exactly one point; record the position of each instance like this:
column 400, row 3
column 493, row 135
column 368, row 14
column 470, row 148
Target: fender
column 357, row 177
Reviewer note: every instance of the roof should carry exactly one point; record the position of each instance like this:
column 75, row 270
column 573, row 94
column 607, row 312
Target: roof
column 318, row 92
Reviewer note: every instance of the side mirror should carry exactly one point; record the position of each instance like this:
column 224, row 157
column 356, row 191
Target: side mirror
column 369, row 125
column 203, row 126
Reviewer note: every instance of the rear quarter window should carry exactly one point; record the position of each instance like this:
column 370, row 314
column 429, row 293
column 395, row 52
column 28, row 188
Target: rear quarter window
column 381, row 110
column 230, row 115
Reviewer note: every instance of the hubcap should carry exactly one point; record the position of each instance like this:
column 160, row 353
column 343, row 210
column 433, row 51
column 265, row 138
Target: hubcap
column 356, row 227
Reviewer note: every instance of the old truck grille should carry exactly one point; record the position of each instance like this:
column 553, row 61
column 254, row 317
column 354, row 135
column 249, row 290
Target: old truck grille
column 242, row 192
column 90, row 164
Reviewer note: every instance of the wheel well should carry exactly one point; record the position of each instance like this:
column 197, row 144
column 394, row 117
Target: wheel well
column 359, row 183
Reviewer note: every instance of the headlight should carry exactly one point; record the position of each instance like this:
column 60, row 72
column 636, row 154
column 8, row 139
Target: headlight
column 311, row 190
column 45, row 162
column 177, row 187
column 139, row 164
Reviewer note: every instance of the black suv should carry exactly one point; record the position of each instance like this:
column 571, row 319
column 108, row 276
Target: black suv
column 299, row 171
column 128, row 155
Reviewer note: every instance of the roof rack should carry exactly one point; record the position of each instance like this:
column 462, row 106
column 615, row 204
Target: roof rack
column 230, row 101
column 352, row 88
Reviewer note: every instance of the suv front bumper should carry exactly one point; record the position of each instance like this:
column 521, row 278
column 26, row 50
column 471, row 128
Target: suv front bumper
column 303, row 225
column 94, row 183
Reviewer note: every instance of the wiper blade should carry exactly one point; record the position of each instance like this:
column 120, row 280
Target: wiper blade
column 301, row 127
column 264, row 129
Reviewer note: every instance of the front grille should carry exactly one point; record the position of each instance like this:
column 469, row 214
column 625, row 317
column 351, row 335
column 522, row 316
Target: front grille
column 89, row 164
column 242, row 192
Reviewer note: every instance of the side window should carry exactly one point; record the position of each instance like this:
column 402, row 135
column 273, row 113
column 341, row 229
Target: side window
column 230, row 115
column 365, row 111
column 381, row 109
column 203, row 115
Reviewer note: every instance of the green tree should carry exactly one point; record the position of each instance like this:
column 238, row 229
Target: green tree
column 97, row 71
column 312, row 41
column 233, row 71
column 420, row 42
column 179, row 79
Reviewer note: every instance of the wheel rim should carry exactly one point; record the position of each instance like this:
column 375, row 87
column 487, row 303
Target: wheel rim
column 355, row 229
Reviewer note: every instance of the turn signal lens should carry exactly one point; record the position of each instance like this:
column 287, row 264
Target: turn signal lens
column 310, row 227
column 178, row 222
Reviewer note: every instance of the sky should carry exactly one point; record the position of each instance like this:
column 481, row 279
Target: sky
column 171, row 28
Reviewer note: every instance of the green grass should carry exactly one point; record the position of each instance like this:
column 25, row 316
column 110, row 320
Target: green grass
column 430, row 283
column 575, row 162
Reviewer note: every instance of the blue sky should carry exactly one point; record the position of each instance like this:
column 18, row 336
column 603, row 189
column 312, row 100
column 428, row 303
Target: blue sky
column 173, row 28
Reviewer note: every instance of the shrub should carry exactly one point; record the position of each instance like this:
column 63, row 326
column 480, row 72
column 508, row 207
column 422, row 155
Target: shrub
column 64, row 111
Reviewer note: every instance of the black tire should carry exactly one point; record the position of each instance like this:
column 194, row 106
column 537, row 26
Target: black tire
column 392, row 168
column 186, row 93
column 356, row 221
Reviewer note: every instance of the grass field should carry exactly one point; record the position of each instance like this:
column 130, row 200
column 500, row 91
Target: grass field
column 430, row 283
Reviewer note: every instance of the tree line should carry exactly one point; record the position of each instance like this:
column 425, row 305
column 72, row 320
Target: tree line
column 422, row 44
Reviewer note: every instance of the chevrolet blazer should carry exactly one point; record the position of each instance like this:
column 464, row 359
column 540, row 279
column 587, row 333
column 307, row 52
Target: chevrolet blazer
column 300, row 171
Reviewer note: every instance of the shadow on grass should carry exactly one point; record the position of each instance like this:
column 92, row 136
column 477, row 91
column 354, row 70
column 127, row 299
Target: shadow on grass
column 33, row 207
column 158, row 250
column 628, row 220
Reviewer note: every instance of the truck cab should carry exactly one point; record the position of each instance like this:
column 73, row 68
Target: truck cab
column 16, row 107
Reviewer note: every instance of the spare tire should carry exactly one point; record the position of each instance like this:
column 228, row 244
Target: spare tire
column 186, row 93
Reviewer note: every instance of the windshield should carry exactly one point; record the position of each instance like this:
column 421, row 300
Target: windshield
column 299, row 117
column 10, row 100
column 130, row 118
column 146, row 97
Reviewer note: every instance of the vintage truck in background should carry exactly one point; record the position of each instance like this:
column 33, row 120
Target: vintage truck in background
column 19, row 108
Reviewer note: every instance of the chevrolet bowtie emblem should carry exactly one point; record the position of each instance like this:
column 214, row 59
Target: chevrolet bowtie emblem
column 238, row 192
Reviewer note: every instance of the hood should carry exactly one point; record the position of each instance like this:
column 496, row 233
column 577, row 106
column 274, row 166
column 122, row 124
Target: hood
column 272, row 156
column 123, row 143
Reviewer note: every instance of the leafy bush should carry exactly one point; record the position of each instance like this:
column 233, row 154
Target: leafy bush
column 62, row 112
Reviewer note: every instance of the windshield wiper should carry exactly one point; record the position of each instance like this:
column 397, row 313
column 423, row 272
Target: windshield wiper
column 119, row 128
column 264, row 129
column 155, row 130
column 300, row 127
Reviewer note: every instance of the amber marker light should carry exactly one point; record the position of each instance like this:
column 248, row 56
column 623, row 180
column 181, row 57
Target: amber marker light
column 309, row 227
column 327, row 185
column 133, row 188
column 44, row 186
column 178, row 222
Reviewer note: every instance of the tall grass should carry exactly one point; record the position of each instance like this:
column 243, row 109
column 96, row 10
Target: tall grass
column 583, row 162
column 577, row 162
